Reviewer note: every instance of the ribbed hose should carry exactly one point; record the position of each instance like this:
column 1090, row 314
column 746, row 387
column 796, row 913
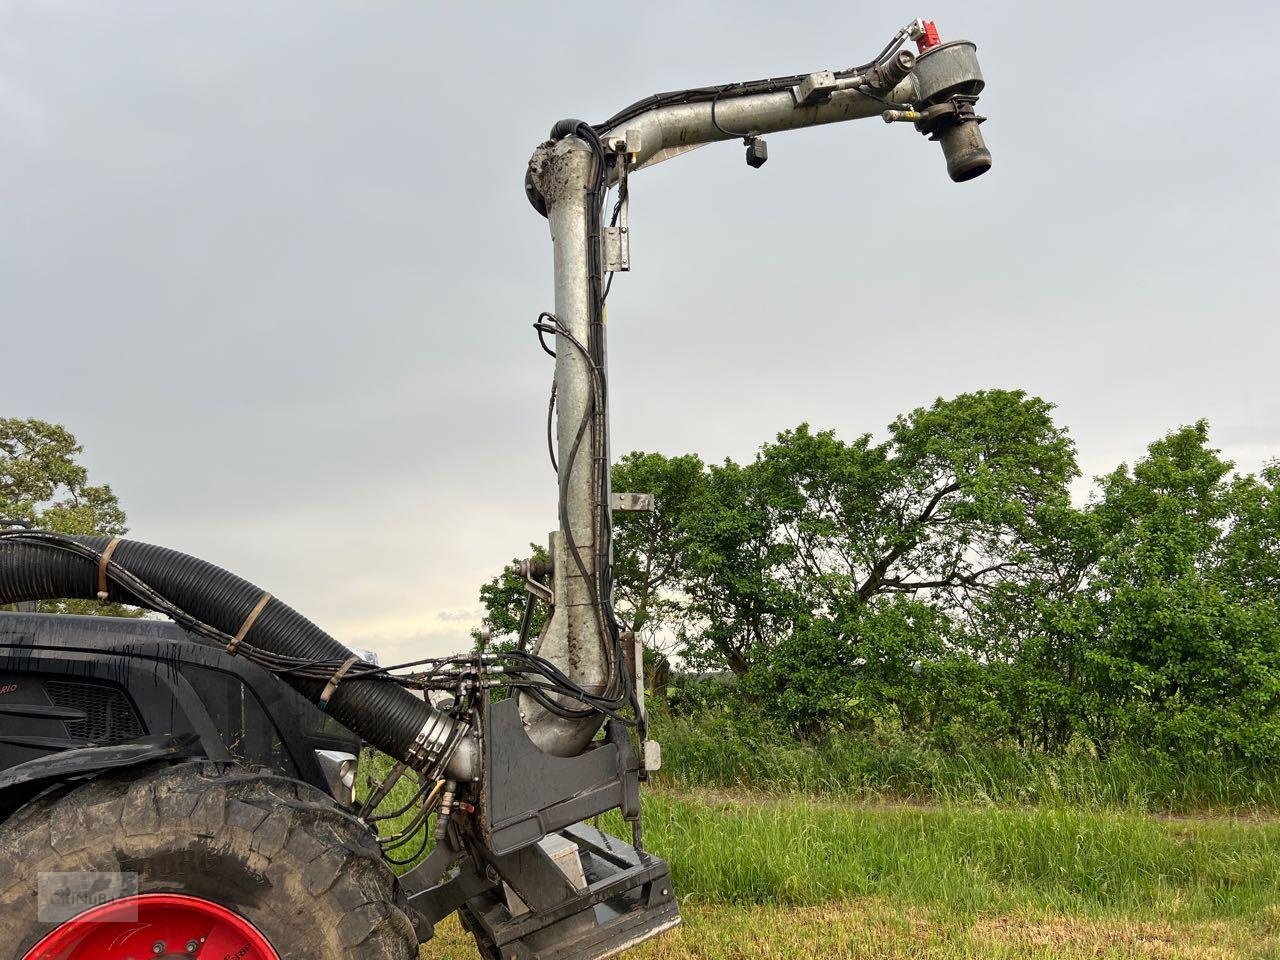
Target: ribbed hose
column 385, row 714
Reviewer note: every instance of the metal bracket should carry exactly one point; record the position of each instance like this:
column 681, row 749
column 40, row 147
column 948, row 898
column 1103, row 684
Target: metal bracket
column 815, row 88
column 617, row 250
column 933, row 120
column 617, row 239
column 534, row 585
column 633, row 503
column 627, row 145
column 528, row 794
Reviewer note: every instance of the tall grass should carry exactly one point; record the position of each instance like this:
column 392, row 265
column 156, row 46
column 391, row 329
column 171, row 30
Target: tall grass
column 717, row 751
column 798, row 853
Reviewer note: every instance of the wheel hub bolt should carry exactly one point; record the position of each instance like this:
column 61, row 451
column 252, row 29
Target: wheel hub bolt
column 158, row 947
column 192, row 946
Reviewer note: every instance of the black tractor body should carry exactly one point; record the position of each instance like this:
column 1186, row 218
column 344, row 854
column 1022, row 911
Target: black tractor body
column 71, row 686
column 131, row 748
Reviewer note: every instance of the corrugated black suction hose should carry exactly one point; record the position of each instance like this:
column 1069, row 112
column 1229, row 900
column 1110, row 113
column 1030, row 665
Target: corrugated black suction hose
column 385, row 714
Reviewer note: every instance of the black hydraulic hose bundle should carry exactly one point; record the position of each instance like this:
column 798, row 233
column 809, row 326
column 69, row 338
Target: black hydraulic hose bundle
column 71, row 567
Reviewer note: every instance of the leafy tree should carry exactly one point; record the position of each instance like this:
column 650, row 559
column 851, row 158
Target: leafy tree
column 737, row 557
column 889, row 663
column 942, row 582
column 650, row 550
column 43, row 483
column 1035, row 629
column 883, row 539
column 945, row 505
column 1249, row 553
column 1179, row 662
column 739, row 605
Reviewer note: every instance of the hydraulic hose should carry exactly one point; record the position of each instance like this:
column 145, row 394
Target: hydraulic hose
column 383, row 713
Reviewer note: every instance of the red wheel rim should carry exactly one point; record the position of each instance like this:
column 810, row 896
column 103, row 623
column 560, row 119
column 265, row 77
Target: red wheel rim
column 155, row 925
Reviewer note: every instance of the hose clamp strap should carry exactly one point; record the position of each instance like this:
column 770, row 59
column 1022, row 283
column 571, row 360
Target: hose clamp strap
column 249, row 621
column 332, row 686
column 431, row 741
column 103, row 560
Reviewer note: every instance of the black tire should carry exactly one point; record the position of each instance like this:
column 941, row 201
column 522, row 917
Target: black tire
column 277, row 851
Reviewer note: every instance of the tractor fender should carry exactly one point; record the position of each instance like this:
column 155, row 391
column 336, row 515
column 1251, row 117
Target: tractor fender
column 25, row 781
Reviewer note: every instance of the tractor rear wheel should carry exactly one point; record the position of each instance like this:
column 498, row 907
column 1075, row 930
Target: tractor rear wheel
column 216, row 862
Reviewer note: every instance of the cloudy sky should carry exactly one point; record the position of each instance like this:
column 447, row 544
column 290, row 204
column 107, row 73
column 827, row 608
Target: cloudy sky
column 272, row 262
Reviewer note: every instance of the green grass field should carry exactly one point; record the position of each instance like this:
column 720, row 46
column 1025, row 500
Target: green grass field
column 787, row 876
column 850, row 849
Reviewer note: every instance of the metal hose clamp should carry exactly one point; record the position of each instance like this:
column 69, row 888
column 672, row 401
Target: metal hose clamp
column 430, row 743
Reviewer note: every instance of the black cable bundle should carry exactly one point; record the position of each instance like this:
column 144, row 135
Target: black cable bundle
column 40, row 565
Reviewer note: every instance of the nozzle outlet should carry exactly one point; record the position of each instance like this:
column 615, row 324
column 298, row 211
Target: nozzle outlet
column 966, row 151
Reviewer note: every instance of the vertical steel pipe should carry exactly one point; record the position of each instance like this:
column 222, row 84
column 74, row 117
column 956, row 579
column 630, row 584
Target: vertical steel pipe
column 572, row 638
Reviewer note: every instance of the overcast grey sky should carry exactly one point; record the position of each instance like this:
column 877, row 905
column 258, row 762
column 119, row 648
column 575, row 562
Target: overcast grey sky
column 273, row 265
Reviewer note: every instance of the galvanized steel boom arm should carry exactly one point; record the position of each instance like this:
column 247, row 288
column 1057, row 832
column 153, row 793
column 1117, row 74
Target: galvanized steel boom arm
column 567, row 175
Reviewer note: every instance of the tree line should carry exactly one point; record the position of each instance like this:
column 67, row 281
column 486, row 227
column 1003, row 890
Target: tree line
column 941, row 581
